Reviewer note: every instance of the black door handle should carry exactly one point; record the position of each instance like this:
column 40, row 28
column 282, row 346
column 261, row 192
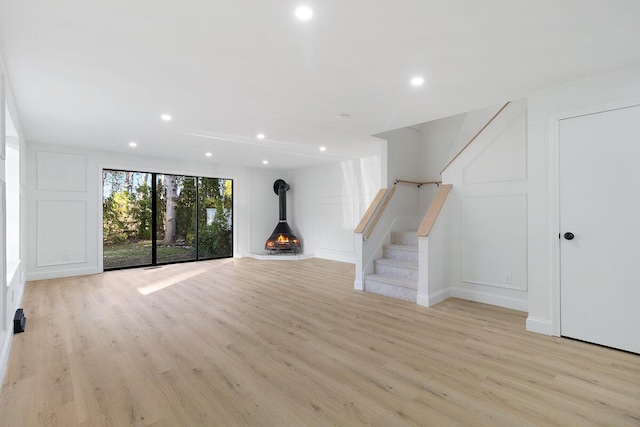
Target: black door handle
column 569, row 236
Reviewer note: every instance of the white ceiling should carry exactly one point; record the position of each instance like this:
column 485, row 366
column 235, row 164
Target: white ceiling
column 99, row 74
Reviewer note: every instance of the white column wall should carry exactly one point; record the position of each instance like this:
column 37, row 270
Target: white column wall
column 12, row 281
column 5, row 336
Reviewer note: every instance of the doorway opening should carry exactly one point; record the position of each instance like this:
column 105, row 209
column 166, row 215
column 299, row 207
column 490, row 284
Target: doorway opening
column 152, row 219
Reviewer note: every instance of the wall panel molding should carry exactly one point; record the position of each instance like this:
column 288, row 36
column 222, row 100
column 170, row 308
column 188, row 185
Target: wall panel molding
column 492, row 225
column 336, row 223
column 61, row 239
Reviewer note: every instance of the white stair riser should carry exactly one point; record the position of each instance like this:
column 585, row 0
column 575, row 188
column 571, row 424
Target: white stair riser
column 386, row 289
column 399, row 254
column 395, row 271
column 404, row 238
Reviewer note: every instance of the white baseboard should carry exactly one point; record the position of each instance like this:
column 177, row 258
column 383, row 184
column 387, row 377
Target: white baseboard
column 4, row 352
column 435, row 298
column 336, row 256
column 358, row 285
column 500, row 301
column 62, row 273
column 280, row 257
column 539, row 326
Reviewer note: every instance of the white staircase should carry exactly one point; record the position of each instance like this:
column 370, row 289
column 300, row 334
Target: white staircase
column 396, row 274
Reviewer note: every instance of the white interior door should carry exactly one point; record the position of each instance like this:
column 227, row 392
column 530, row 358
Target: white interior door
column 600, row 205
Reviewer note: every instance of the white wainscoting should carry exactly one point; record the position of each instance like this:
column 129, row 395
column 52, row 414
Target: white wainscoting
column 494, row 240
column 489, row 214
column 336, row 226
column 337, row 208
column 61, row 232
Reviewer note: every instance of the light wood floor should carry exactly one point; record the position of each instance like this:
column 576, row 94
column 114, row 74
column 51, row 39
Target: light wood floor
column 266, row 343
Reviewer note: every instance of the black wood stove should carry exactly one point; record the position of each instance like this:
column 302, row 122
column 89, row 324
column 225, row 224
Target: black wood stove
column 282, row 239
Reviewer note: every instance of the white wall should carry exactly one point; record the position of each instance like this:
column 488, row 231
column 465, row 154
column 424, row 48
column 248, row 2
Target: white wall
column 262, row 208
column 327, row 203
column 545, row 106
column 65, row 198
column 487, row 207
column 303, row 205
column 402, row 152
column 441, row 140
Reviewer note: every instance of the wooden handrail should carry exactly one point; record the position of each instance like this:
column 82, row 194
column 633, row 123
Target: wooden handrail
column 380, row 211
column 475, row 136
column 418, row 183
column 434, row 210
column 370, row 211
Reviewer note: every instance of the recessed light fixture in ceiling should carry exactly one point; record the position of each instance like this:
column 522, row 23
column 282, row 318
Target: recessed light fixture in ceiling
column 133, row 144
column 261, row 136
column 304, row 13
column 265, row 162
column 322, row 148
column 166, row 117
column 417, row 81
column 343, row 116
column 208, row 154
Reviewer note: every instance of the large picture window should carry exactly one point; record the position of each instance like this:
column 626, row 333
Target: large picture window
column 152, row 219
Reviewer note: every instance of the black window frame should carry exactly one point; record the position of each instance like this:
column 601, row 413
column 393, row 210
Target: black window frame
column 154, row 221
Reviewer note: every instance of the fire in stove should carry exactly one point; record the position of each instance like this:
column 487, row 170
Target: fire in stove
column 282, row 239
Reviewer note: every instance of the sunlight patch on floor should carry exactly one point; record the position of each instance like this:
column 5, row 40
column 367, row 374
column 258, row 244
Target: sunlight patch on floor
column 169, row 281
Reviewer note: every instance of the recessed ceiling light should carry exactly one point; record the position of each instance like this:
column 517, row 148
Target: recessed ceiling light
column 265, row 162
column 166, row 117
column 343, row 116
column 208, row 154
column 417, row 81
column 304, row 13
column 133, row 144
column 322, row 148
column 260, row 136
